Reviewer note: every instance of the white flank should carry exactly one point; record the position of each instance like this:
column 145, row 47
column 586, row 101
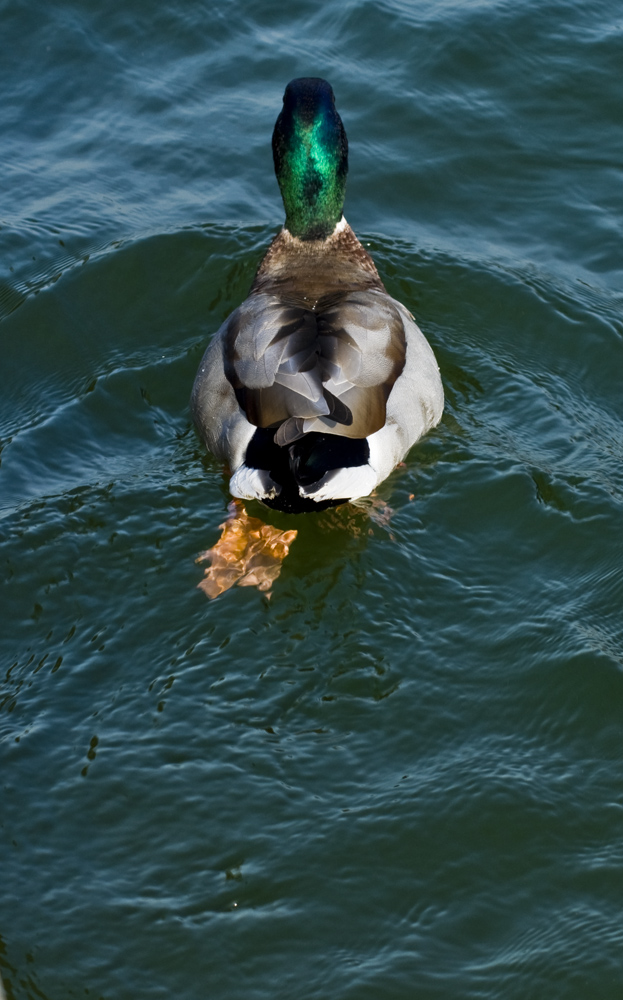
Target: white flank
column 252, row 484
column 343, row 484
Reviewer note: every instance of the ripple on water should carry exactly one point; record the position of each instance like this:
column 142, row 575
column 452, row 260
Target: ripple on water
column 402, row 773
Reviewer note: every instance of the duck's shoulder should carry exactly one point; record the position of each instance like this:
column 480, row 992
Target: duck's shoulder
column 310, row 270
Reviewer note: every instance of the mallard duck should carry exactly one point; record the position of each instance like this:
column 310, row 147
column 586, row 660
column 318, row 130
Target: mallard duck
column 314, row 388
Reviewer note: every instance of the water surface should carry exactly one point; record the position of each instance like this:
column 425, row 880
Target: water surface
column 401, row 775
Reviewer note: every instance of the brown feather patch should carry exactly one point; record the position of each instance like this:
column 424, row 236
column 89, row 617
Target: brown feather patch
column 336, row 362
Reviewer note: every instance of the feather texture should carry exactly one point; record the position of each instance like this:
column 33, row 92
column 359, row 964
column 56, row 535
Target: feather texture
column 330, row 369
column 318, row 384
column 318, row 352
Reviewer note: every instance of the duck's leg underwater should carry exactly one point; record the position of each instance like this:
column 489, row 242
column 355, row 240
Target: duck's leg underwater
column 249, row 553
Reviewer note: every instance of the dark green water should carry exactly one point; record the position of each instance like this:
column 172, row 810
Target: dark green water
column 402, row 776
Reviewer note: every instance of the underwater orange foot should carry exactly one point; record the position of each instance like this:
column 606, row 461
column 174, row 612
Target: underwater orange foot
column 249, row 553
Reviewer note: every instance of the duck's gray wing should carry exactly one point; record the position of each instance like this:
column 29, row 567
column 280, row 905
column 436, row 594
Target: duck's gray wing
column 329, row 369
column 271, row 358
column 362, row 353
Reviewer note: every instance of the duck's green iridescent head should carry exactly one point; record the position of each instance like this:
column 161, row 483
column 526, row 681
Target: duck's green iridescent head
column 310, row 150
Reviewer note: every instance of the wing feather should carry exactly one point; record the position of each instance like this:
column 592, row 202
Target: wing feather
column 332, row 367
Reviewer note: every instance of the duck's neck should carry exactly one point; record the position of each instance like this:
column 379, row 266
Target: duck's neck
column 311, row 161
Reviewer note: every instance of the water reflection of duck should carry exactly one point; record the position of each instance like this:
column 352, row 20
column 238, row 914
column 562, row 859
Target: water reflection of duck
column 318, row 384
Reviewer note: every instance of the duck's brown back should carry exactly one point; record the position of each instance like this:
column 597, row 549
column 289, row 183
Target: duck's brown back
column 318, row 344
column 308, row 271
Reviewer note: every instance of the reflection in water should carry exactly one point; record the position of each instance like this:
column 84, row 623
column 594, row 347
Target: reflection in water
column 377, row 509
column 249, row 553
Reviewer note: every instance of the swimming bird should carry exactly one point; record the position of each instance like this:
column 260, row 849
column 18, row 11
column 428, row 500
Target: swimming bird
column 314, row 388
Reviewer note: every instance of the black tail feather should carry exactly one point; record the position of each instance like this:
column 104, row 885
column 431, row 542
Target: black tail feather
column 303, row 463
